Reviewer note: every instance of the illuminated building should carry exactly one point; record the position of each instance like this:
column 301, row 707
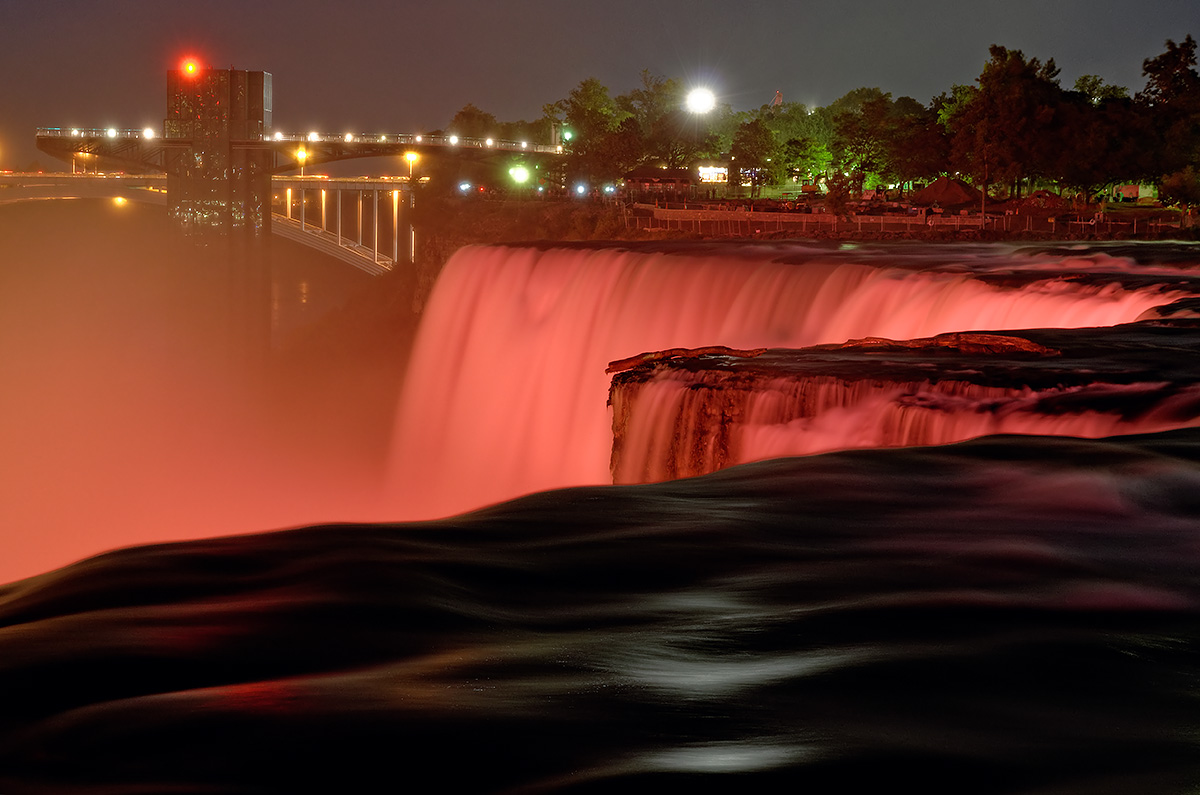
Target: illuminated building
column 220, row 180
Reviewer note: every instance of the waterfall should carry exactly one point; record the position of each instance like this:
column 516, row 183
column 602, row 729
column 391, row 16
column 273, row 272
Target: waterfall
column 506, row 392
column 683, row 424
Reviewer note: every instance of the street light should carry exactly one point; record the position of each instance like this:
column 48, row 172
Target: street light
column 301, row 156
column 701, row 100
column 411, row 157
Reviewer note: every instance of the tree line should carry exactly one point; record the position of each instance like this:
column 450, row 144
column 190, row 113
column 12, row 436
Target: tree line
column 1015, row 128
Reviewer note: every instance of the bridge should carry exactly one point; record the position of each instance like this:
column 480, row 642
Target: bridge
column 355, row 220
column 221, row 154
column 217, row 163
column 146, row 149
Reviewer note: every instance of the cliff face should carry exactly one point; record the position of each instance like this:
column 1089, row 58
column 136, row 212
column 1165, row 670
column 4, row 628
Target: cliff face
column 684, row 413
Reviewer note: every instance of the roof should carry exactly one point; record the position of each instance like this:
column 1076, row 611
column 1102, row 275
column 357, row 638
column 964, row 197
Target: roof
column 947, row 193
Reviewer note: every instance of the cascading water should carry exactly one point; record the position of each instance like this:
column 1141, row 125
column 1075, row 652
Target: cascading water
column 507, row 389
column 684, row 424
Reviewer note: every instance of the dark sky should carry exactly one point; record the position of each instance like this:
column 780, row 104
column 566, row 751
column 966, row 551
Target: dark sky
column 397, row 66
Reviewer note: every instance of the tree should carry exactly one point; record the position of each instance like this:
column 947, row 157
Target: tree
column 802, row 158
column 754, row 150
column 471, row 122
column 861, row 139
column 919, row 147
column 1171, row 77
column 1096, row 90
column 590, row 116
column 671, row 136
column 1182, row 187
column 1172, row 99
column 1000, row 128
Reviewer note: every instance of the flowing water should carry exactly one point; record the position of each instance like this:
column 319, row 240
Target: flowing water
column 507, row 390
column 1013, row 614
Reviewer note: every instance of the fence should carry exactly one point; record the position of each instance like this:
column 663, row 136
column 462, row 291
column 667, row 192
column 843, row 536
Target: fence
column 742, row 222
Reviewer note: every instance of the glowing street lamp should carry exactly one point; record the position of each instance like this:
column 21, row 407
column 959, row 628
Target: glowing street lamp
column 301, row 156
column 411, row 157
column 520, row 174
column 701, row 100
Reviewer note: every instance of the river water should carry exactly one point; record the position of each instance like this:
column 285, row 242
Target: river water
column 1008, row 614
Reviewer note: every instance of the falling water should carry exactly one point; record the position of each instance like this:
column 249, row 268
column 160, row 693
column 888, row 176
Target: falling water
column 507, row 388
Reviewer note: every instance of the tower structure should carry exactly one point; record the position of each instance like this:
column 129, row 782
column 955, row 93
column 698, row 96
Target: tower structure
column 219, row 170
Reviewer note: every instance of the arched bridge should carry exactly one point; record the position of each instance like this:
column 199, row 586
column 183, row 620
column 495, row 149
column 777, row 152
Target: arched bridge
column 356, row 220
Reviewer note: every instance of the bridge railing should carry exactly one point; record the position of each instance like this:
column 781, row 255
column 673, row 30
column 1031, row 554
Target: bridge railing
column 448, row 141
column 90, row 132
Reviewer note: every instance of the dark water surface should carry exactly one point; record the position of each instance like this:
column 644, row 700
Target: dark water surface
column 1015, row 614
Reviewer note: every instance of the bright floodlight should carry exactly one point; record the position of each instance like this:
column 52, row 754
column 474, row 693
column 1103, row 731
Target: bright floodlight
column 278, row 135
column 112, row 132
column 454, row 140
column 520, row 174
column 312, row 136
column 349, row 137
column 147, row 133
column 701, row 100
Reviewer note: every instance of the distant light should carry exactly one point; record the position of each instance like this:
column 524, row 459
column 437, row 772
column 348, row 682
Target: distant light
column 278, row 136
column 609, row 189
column 382, row 138
column 489, row 142
column 75, row 133
column 411, row 157
column 581, row 189
column 520, row 174
column 524, row 144
column 191, row 67
column 312, row 136
column 558, row 149
column 349, row 137
column 417, row 139
column 464, row 186
column 112, row 132
column 301, row 155
column 454, row 140
column 147, row 133
column 120, row 201
column 568, row 135
column 701, row 100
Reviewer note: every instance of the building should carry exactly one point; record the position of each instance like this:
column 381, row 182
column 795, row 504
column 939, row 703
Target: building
column 221, row 180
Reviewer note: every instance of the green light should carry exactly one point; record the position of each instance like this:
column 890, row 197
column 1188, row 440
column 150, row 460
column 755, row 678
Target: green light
column 567, row 135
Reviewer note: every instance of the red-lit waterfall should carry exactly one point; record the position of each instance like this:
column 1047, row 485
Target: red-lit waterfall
column 507, row 389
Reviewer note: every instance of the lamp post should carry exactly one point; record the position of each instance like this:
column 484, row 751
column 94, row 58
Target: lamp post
column 411, row 157
column 301, row 156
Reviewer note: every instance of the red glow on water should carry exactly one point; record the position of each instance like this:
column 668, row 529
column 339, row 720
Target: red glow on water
column 507, row 390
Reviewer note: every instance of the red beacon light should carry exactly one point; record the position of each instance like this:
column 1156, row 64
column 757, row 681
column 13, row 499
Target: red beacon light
column 191, row 67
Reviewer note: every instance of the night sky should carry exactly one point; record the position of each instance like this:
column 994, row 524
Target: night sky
column 394, row 66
